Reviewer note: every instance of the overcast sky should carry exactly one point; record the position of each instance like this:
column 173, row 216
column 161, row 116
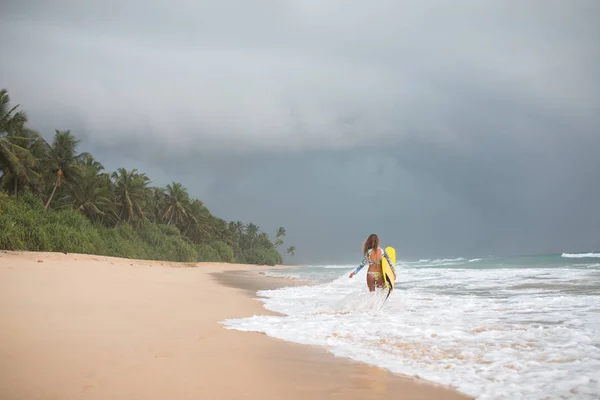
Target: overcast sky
column 463, row 128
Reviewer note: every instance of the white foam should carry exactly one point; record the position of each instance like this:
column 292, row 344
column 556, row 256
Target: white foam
column 445, row 260
column 439, row 262
column 492, row 334
column 581, row 255
column 336, row 266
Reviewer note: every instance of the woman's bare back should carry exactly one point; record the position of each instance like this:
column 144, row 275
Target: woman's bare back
column 375, row 257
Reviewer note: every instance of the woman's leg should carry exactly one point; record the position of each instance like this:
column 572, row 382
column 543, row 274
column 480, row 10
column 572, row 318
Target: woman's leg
column 371, row 282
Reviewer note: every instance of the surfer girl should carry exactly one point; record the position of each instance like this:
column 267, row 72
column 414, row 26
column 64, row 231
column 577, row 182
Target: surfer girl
column 372, row 255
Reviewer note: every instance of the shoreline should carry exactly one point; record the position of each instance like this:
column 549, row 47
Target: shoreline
column 78, row 326
column 249, row 281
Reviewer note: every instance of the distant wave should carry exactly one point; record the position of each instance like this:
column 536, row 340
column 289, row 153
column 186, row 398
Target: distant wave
column 581, row 255
column 332, row 266
column 445, row 260
column 425, row 262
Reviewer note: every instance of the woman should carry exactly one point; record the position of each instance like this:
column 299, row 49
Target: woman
column 373, row 255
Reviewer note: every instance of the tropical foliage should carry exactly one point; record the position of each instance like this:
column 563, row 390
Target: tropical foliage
column 56, row 198
column 291, row 251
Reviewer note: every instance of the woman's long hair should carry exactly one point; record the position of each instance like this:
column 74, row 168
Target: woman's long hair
column 372, row 242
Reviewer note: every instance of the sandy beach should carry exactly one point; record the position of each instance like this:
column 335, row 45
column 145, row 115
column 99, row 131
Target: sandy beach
column 91, row 327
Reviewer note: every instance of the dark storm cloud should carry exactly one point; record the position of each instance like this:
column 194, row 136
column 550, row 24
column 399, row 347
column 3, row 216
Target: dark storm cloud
column 479, row 121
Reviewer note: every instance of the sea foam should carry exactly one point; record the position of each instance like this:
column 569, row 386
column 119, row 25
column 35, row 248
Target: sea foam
column 528, row 333
column 581, row 255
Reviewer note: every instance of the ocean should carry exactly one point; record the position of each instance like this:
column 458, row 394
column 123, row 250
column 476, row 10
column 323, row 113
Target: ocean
column 523, row 327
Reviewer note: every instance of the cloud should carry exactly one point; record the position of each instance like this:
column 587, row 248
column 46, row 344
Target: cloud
column 478, row 121
column 304, row 75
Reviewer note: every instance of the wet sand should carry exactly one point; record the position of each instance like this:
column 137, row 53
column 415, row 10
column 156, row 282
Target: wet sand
column 90, row 327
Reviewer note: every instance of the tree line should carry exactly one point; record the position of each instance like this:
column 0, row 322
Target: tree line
column 56, row 198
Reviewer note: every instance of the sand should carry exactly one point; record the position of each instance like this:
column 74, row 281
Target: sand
column 90, row 327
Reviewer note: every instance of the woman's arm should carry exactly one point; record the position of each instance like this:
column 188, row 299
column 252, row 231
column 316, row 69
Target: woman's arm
column 364, row 262
column 387, row 257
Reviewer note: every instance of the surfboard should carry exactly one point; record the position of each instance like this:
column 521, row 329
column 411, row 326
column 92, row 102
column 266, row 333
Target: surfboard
column 388, row 274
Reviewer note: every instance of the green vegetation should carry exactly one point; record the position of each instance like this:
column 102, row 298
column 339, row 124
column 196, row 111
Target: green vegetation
column 291, row 250
column 53, row 198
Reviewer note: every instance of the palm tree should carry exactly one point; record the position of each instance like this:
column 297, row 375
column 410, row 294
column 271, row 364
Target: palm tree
column 89, row 161
column 250, row 236
column 63, row 160
column 12, row 117
column 280, row 233
column 291, row 250
column 240, row 228
column 177, row 202
column 231, row 227
column 251, row 230
column 156, row 203
column 19, row 147
column 131, row 193
column 20, row 152
column 221, row 231
column 263, row 240
column 198, row 219
column 91, row 193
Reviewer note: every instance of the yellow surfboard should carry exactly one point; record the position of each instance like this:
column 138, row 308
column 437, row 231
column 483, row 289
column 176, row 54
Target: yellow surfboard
column 388, row 274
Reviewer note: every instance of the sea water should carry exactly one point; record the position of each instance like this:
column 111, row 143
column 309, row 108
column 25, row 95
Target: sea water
column 494, row 328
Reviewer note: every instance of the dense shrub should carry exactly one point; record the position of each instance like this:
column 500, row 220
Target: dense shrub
column 25, row 225
column 261, row 256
